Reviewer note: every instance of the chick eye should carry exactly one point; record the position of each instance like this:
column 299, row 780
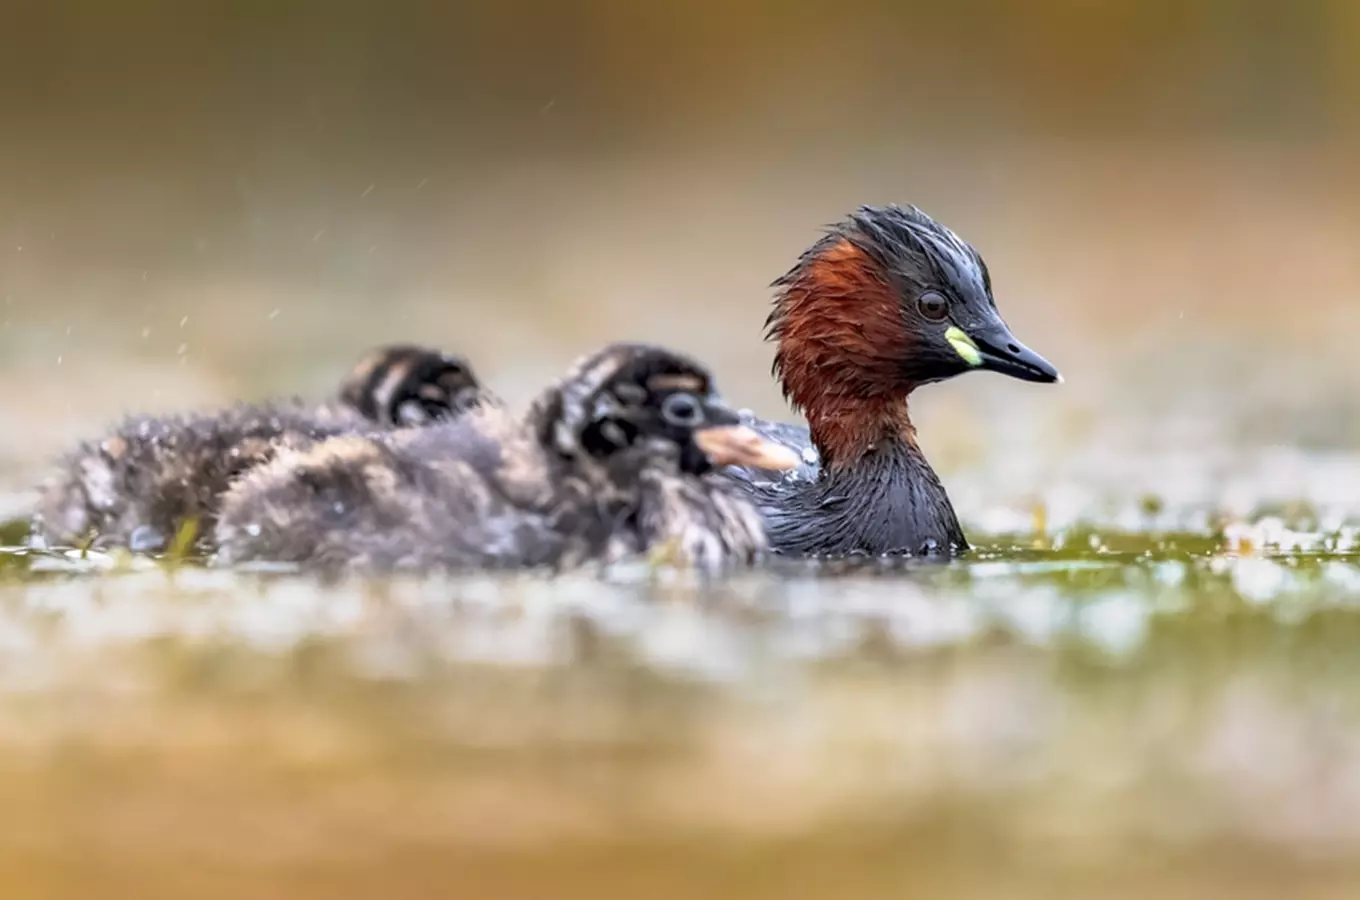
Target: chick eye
column 933, row 306
column 682, row 410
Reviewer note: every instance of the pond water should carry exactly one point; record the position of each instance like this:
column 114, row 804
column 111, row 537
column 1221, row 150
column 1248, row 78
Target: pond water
column 1132, row 712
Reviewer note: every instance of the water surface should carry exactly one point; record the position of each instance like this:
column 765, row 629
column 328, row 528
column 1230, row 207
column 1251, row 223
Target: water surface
column 1131, row 713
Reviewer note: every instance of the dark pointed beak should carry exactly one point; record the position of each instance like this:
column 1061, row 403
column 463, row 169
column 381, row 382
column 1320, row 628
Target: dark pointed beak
column 993, row 347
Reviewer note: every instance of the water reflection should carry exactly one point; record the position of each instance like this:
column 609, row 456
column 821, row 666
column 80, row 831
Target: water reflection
column 795, row 612
column 1063, row 706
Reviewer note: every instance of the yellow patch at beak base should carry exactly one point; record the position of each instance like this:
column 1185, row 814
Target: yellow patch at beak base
column 963, row 345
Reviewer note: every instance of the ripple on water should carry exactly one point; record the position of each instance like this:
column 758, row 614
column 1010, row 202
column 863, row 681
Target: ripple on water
column 1077, row 684
column 671, row 619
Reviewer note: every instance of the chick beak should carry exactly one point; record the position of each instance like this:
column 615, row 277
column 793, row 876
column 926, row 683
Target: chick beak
column 737, row 445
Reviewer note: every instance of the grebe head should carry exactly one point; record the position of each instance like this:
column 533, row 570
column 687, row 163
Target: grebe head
column 402, row 385
column 652, row 405
column 887, row 300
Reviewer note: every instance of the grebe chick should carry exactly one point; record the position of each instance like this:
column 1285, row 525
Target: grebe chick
column 404, row 386
column 887, row 301
column 615, row 459
column 138, row 484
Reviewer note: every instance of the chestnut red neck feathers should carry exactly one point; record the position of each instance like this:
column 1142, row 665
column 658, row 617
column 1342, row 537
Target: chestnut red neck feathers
column 841, row 338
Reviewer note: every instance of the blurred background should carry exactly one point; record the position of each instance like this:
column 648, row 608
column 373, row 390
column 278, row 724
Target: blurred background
column 201, row 202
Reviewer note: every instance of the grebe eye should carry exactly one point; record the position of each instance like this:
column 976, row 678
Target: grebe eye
column 682, row 410
column 933, row 306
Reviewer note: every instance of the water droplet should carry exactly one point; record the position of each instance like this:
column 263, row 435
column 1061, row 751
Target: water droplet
column 145, row 539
